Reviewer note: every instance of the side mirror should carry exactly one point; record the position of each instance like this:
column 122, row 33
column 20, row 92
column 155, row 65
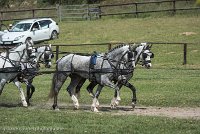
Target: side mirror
column 34, row 29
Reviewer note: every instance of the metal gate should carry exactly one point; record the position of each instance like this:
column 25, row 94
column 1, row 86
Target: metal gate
column 78, row 12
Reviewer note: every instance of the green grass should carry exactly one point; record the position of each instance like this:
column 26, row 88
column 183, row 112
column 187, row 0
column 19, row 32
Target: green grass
column 165, row 29
column 156, row 87
column 167, row 84
column 46, row 121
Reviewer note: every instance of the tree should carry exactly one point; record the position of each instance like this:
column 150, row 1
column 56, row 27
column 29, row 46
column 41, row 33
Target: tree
column 198, row 2
column 4, row 3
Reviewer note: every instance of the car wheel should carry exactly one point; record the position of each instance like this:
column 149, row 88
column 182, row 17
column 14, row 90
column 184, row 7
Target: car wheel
column 29, row 40
column 54, row 35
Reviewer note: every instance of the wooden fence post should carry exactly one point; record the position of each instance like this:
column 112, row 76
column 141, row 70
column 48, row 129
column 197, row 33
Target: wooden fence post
column 60, row 12
column 57, row 11
column 174, row 7
column 184, row 54
column 109, row 46
column 136, row 9
column 57, row 52
column 33, row 13
column 1, row 17
column 99, row 12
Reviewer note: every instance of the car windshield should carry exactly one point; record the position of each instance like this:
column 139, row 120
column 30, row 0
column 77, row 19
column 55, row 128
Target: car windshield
column 21, row 27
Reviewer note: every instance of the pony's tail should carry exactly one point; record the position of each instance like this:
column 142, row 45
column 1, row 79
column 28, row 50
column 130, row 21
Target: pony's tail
column 52, row 89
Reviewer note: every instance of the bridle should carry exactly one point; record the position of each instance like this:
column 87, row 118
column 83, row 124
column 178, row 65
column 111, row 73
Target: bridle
column 45, row 55
column 144, row 56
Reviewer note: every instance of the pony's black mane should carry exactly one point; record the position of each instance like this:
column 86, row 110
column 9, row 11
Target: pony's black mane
column 119, row 46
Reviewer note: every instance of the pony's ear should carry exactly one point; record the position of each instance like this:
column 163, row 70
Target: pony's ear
column 147, row 47
column 131, row 48
column 150, row 45
column 50, row 45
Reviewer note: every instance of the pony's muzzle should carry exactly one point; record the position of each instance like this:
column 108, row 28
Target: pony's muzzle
column 148, row 65
column 48, row 65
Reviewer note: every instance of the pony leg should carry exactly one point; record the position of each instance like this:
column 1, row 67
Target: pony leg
column 74, row 81
column 115, row 101
column 90, row 88
column 95, row 102
column 24, row 103
column 30, row 90
column 133, row 89
column 108, row 83
column 57, row 82
column 78, row 87
column 58, row 86
column 2, row 84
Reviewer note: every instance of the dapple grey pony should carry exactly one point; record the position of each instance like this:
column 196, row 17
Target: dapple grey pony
column 108, row 68
column 142, row 55
column 43, row 55
column 10, row 66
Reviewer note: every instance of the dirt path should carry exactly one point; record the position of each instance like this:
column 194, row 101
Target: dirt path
column 172, row 112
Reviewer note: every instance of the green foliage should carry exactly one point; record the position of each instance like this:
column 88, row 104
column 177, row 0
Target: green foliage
column 198, row 2
column 4, row 3
column 70, row 2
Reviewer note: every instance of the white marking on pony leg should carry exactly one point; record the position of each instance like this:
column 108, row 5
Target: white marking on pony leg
column 24, row 103
column 133, row 104
column 95, row 110
column 118, row 96
column 93, row 107
column 75, row 101
column 113, row 105
column 97, row 103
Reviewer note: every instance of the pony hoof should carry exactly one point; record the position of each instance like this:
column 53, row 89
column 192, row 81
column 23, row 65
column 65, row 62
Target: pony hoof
column 57, row 109
column 118, row 99
column 116, row 102
column 97, row 104
column 25, row 104
column 133, row 104
column 76, row 107
column 112, row 106
column 94, row 109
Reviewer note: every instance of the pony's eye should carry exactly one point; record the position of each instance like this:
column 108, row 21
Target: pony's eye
column 144, row 55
